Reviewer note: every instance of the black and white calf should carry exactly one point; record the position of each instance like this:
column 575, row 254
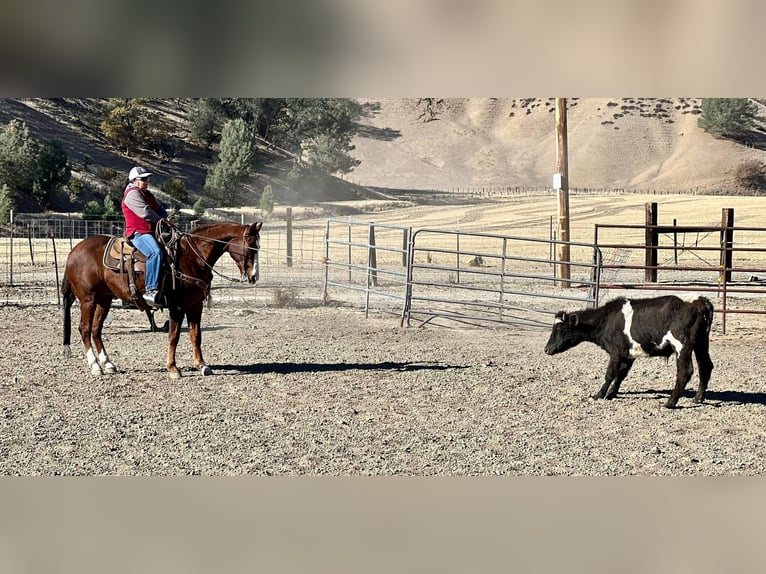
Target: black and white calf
column 629, row 329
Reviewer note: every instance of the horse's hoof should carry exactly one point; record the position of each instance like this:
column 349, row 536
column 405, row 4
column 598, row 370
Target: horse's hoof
column 174, row 375
column 110, row 369
column 206, row 371
column 96, row 371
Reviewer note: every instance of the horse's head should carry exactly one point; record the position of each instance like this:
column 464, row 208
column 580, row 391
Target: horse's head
column 244, row 251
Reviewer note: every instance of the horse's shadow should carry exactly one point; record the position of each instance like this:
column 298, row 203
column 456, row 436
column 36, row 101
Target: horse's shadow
column 713, row 398
column 291, row 367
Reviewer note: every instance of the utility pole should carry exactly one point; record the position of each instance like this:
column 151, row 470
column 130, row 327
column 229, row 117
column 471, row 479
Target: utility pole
column 561, row 183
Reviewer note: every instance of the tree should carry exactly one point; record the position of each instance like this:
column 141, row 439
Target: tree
column 7, row 203
column 111, row 211
column 18, row 157
column 130, row 125
column 316, row 131
column 93, row 210
column 198, row 209
column 205, row 122
column 52, row 171
column 727, row 117
column 267, row 199
column 176, row 189
column 236, row 160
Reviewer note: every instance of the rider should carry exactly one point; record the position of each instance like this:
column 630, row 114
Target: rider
column 142, row 211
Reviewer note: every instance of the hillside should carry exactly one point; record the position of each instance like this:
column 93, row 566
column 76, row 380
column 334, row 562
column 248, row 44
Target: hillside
column 645, row 144
column 613, row 143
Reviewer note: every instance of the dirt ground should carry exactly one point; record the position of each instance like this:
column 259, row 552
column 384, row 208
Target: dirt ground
column 326, row 391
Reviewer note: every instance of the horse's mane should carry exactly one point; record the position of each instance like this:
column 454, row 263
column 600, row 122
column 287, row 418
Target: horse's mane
column 211, row 229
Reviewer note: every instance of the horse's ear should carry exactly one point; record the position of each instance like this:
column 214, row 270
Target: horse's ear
column 255, row 227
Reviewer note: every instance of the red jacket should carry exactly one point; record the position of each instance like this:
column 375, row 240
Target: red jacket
column 150, row 211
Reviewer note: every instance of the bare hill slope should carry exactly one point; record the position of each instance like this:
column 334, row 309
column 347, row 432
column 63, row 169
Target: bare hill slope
column 644, row 144
column 616, row 143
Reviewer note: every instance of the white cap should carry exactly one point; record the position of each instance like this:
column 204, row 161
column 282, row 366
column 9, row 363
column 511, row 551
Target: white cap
column 138, row 171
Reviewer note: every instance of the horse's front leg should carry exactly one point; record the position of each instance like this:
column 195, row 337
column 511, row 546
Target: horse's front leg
column 194, row 318
column 174, row 333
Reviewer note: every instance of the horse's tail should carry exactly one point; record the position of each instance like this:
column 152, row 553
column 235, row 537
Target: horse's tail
column 67, row 298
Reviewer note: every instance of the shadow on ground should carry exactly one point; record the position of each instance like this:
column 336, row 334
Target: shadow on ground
column 286, row 368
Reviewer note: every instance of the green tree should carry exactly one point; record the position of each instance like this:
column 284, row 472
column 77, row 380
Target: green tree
column 319, row 132
column 176, row 189
column 52, row 171
column 111, row 211
column 728, row 117
column 93, row 210
column 18, row 157
column 130, row 125
column 316, row 131
column 205, row 121
column 267, row 199
column 7, row 203
column 198, row 209
column 236, row 160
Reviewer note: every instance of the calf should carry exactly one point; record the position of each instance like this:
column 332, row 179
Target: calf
column 629, row 329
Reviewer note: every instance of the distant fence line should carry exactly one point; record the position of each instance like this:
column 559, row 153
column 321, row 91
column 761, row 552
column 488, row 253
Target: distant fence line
column 510, row 191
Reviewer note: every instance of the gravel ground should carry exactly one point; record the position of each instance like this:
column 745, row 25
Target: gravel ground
column 326, row 391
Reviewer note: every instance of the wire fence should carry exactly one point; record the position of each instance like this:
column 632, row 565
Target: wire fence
column 33, row 256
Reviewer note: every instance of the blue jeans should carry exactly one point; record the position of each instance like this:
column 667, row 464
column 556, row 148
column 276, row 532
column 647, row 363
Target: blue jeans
column 148, row 245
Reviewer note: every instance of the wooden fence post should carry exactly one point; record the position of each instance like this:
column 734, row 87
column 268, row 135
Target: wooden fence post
column 651, row 240
column 727, row 242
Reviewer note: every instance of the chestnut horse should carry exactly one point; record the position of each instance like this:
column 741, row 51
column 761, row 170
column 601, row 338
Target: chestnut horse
column 95, row 286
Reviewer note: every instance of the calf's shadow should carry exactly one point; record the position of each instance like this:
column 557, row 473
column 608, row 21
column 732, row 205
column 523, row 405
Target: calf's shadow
column 711, row 396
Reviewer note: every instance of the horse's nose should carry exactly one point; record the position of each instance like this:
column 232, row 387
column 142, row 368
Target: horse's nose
column 254, row 274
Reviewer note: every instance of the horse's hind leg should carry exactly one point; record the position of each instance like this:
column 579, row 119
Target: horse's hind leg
column 99, row 316
column 87, row 311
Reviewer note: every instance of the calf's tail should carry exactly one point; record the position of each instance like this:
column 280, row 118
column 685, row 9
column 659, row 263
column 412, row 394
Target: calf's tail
column 67, row 298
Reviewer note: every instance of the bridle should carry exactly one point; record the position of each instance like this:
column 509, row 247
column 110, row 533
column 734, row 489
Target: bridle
column 199, row 282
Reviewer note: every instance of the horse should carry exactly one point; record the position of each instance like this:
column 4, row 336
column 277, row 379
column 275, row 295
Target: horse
column 95, row 286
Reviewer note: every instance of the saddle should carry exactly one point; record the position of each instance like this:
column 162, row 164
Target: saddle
column 121, row 256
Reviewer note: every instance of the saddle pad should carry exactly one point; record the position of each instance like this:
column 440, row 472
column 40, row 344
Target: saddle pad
column 116, row 248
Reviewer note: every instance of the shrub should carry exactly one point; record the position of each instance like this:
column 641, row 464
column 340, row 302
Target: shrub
column 267, row 199
column 751, row 174
column 199, row 210
column 285, row 297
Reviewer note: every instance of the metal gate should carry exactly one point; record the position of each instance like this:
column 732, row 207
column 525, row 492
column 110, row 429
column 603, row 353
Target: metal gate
column 481, row 278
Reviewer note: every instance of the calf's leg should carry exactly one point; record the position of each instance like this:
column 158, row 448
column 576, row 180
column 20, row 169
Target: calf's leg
column 684, row 371
column 705, row 365
column 616, row 371
column 622, row 371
